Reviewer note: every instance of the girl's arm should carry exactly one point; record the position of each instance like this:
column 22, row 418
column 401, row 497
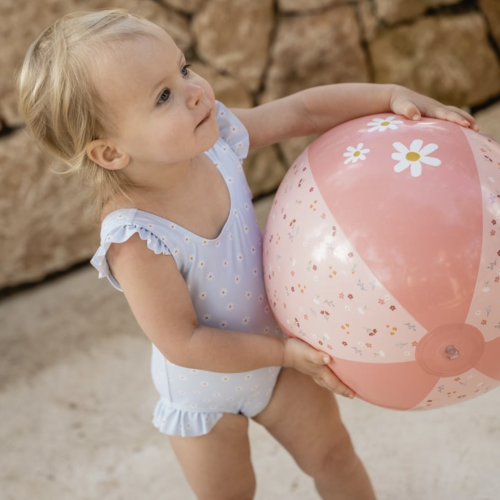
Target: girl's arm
column 161, row 304
column 318, row 109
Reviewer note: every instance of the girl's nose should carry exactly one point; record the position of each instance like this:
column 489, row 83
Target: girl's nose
column 194, row 94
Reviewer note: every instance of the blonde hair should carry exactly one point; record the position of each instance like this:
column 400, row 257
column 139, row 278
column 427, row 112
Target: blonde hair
column 57, row 98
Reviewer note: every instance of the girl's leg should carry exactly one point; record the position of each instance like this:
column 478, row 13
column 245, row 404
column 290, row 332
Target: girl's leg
column 217, row 465
column 305, row 419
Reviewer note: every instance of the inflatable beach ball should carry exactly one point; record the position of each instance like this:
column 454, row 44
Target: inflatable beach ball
column 382, row 249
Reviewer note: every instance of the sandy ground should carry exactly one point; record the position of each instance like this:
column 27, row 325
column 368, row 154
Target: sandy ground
column 76, row 402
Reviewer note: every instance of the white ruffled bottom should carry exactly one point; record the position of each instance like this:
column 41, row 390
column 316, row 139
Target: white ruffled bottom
column 184, row 423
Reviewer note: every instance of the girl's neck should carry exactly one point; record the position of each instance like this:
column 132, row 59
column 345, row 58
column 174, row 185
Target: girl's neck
column 169, row 186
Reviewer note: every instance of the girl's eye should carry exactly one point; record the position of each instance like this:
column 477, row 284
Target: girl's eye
column 165, row 95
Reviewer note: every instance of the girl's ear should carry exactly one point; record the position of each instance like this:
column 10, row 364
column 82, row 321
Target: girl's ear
column 107, row 155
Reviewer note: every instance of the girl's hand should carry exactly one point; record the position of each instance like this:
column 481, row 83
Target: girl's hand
column 309, row 361
column 412, row 105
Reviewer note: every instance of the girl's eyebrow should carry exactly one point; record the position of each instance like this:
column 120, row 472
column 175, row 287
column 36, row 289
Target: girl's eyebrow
column 160, row 83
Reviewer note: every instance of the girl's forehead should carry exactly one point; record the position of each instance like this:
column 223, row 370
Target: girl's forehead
column 128, row 68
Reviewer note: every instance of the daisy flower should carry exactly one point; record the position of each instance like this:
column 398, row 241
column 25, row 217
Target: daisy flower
column 382, row 124
column 414, row 157
column 355, row 154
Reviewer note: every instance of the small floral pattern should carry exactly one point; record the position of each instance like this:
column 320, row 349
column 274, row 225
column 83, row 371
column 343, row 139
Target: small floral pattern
column 227, row 289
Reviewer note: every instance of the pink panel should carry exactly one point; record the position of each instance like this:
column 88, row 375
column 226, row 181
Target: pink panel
column 399, row 386
column 489, row 364
column 390, row 217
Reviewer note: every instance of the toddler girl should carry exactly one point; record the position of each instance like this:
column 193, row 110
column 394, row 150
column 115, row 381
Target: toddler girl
column 113, row 96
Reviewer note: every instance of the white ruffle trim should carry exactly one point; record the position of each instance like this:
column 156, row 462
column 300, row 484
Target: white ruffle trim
column 175, row 422
column 233, row 131
column 120, row 234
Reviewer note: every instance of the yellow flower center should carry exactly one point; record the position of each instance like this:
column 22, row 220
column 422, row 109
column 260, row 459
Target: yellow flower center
column 357, row 153
column 411, row 156
column 384, row 124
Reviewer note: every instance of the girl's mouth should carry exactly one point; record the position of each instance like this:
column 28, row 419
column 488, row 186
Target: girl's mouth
column 205, row 119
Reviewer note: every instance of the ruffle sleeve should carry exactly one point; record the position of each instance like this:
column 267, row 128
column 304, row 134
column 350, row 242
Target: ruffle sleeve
column 120, row 234
column 232, row 131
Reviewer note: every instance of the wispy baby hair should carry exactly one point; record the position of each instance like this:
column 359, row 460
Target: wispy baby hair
column 57, row 97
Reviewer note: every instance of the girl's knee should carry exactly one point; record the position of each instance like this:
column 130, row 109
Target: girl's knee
column 336, row 457
column 341, row 458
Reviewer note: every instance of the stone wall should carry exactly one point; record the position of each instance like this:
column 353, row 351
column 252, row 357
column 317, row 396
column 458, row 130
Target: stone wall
column 251, row 51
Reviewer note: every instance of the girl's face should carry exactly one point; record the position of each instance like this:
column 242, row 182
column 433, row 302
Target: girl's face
column 157, row 105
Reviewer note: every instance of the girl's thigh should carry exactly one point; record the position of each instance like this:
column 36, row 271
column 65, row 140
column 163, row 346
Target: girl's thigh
column 217, row 465
column 305, row 419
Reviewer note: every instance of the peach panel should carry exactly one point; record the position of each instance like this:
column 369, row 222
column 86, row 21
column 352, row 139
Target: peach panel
column 452, row 390
column 485, row 307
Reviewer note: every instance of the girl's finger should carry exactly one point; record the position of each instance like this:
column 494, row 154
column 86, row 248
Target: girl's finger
column 456, row 115
column 411, row 111
column 333, row 384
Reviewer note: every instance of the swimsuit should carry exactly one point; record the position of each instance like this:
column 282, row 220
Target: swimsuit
column 226, row 284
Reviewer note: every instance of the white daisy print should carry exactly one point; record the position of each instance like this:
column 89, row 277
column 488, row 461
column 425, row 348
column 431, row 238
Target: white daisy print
column 191, row 258
column 201, row 264
column 172, row 226
column 355, row 154
column 240, row 257
column 246, row 229
column 382, row 124
column 246, row 320
column 237, row 279
column 230, row 306
column 210, row 276
column 248, row 377
column 255, row 271
column 205, row 243
column 247, row 206
column 261, row 299
column 253, row 250
column 206, row 317
column 225, row 263
column 223, row 324
column 414, row 157
column 186, row 239
column 223, row 292
column 248, row 294
column 176, row 251
column 203, row 295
